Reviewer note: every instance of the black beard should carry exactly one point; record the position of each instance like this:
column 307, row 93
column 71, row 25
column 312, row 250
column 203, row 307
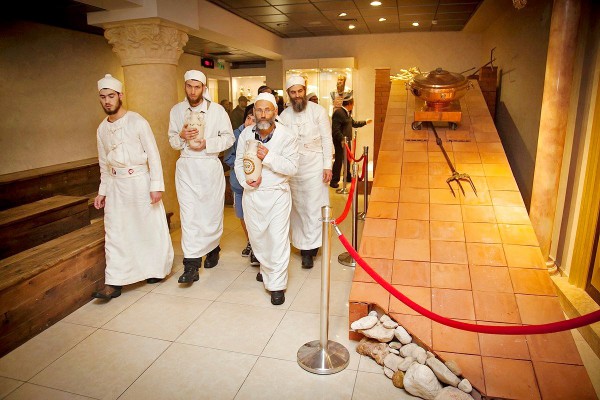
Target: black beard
column 116, row 110
column 191, row 103
column 299, row 104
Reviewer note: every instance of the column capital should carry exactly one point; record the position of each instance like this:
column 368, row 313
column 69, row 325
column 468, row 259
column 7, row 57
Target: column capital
column 146, row 42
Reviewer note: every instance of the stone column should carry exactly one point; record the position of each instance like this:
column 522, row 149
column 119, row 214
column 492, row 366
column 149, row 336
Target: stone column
column 149, row 51
column 553, row 122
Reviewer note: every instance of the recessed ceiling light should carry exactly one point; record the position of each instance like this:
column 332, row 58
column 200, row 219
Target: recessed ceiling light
column 415, row 24
column 282, row 24
column 342, row 14
column 382, row 19
column 375, row 3
column 351, row 26
column 434, row 22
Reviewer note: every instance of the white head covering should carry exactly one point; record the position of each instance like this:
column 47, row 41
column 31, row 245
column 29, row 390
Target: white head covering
column 108, row 82
column 311, row 94
column 200, row 77
column 294, row 80
column 268, row 97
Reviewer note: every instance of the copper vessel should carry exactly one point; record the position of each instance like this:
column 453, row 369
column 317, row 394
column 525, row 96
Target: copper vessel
column 439, row 88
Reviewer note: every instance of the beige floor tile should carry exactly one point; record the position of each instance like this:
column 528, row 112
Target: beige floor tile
column 212, row 283
column 103, row 365
column 8, row 385
column 158, row 316
column 337, row 271
column 219, row 327
column 190, row 372
column 367, row 364
column 31, row 392
column 371, row 386
column 98, row 312
column 36, row 354
column 309, row 297
column 294, row 383
column 297, row 329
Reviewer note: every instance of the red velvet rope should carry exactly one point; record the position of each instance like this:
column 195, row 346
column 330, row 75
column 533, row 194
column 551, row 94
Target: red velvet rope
column 342, row 217
column 552, row 327
column 351, row 156
column 361, row 177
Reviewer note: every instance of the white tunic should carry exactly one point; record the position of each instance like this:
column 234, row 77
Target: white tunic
column 309, row 193
column 138, row 245
column 267, row 208
column 199, row 177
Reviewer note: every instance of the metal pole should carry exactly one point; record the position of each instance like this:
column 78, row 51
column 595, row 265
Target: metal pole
column 345, row 258
column 324, row 356
column 363, row 214
column 343, row 189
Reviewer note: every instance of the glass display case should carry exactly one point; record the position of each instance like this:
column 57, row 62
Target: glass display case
column 246, row 86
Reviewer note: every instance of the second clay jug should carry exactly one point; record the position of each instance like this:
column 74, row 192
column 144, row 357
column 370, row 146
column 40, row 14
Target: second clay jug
column 252, row 164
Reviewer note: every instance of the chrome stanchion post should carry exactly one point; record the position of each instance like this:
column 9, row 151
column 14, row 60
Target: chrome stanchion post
column 345, row 258
column 343, row 189
column 363, row 214
column 324, row 356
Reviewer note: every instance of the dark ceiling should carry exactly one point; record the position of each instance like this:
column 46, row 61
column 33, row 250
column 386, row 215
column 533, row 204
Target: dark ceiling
column 305, row 18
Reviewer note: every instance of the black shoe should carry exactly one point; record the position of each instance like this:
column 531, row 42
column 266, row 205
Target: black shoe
column 277, row 297
column 190, row 270
column 259, row 277
column 254, row 261
column 334, row 185
column 153, row 280
column 212, row 258
column 246, row 252
column 307, row 259
column 109, row 292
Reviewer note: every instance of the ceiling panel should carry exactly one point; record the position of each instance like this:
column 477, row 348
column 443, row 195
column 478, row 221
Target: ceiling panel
column 297, row 8
column 258, row 11
column 336, row 6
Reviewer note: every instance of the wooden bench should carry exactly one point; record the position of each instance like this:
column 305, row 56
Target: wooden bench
column 42, row 285
column 30, row 225
column 76, row 178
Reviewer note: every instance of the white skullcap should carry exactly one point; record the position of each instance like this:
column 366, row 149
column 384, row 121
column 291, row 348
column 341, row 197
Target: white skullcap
column 268, row 97
column 195, row 75
column 311, row 94
column 294, row 80
column 108, row 82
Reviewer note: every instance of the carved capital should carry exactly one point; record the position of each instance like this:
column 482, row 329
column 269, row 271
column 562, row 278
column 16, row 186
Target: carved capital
column 146, row 43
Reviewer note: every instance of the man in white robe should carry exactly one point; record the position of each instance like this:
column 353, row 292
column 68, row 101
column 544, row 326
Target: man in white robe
column 267, row 201
column 199, row 177
column 310, row 124
column 137, row 242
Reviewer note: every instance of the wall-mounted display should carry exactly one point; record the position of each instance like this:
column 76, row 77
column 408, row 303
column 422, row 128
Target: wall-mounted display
column 245, row 86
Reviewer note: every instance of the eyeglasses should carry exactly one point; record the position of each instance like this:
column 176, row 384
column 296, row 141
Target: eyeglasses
column 264, row 111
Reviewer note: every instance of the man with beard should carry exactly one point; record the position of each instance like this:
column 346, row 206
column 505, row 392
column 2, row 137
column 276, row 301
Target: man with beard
column 310, row 124
column 267, row 201
column 199, row 177
column 339, row 95
column 137, row 241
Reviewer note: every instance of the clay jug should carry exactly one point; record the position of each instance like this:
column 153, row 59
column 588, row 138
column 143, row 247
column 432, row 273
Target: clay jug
column 195, row 120
column 252, row 164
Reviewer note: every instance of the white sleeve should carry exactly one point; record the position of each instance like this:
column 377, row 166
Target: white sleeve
column 286, row 162
column 239, row 161
column 103, row 165
column 225, row 137
column 175, row 140
column 157, row 184
column 326, row 140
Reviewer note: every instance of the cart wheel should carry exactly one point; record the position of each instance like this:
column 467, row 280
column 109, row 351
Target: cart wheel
column 416, row 126
column 453, row 125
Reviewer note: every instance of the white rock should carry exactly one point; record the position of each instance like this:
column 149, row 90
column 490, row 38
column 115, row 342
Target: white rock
column 442, row 372
column 391, row 361
column 465, row 386
column 395, row 345
column 388, row 372
column 420, row 381
column 405, row 364
column 430, row 355
column 364, row 323
column 373, row 314
column 408, row 349
column 387, row 322
column 394, row 351
column 402, row 335
column 452, row 393
column 453, row 366
column 378, row 332
column 420, row 355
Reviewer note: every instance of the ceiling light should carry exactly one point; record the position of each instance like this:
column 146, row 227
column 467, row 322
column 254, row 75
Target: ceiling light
column 415, row 24
column 282, row 24
column 434, row 22
column 351, row 26
column 342, row 14
column 382, row 19
column 375, row 3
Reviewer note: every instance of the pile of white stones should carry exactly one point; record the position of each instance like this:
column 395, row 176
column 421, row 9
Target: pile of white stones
column 408, row 365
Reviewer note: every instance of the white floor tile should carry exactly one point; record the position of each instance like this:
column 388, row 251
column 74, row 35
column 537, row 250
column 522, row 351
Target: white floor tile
column 279, row 379
column 103, row 365
column 234, row 327
column 39, row 352
column 190, row 372
column 158, row 316
column 35, row 392
column 8, row 385
column 309, row 297
column 211, row 284
column 371, row 386
column 98, row 312
column 367, row 364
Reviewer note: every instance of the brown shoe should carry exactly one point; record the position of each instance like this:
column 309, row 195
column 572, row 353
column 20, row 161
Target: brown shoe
column 109, row 292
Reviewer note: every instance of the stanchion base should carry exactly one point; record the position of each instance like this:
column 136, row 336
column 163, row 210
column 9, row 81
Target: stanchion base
column 342, row 191
column 362, row 216
column 347, row 260
column 313, row 358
